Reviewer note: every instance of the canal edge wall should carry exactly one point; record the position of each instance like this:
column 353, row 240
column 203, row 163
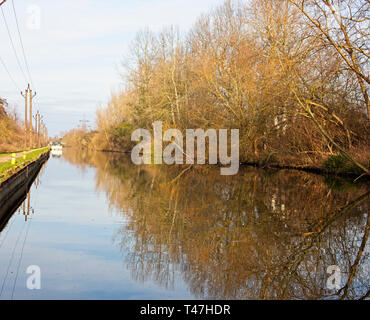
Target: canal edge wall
column 19, row 183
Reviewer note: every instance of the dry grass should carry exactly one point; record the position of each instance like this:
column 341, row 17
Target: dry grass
column 11, row 134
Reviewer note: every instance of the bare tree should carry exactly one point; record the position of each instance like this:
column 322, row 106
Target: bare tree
column 344, row 25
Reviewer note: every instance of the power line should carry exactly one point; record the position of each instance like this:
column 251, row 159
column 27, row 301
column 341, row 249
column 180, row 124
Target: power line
column 11, row 260
column 10, row 76
column 20, row 258
column 12, row 43
column 20, row 39
column 5, row 236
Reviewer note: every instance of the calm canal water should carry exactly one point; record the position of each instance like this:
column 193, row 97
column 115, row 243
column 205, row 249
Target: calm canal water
column 100, row 227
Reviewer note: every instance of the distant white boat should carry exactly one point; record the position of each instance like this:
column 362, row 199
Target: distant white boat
column 56, row 149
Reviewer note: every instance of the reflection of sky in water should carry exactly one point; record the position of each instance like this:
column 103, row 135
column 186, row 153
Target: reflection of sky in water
column 71, row 238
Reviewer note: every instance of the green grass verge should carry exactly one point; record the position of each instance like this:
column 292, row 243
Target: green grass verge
column 3, row 154
column 7, row 169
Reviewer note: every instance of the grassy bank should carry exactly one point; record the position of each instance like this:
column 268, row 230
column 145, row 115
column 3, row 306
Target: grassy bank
column 7, row 169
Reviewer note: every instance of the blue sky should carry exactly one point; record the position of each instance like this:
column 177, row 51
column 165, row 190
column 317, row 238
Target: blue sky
column 74, row 56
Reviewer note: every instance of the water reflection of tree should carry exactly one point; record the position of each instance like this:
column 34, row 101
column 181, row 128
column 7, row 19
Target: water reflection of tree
column 254, row 236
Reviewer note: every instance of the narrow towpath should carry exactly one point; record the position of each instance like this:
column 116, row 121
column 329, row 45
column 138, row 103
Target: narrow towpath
column 8, row 157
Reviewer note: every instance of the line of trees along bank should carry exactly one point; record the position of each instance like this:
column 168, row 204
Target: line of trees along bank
column 291, row 75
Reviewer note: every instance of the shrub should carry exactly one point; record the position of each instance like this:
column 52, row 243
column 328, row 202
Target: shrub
column 340, row 164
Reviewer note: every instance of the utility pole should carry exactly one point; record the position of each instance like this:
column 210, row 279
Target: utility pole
column 39, row 132
column 25, row 96
column 46, row 135
column 43, row 132
column 28, row 205
column 31, row 130
column 83, row 123
column 37, row 128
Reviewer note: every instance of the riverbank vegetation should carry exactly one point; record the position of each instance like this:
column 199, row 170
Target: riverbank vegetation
column 292, row 76
column 11, row 134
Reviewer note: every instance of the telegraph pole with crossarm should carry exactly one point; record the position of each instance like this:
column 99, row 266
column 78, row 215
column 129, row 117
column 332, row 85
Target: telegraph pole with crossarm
column 25, row 96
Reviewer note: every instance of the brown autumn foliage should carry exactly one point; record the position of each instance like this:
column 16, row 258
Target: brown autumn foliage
column 78, row 137
column 288, row 74
column 11, row 134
